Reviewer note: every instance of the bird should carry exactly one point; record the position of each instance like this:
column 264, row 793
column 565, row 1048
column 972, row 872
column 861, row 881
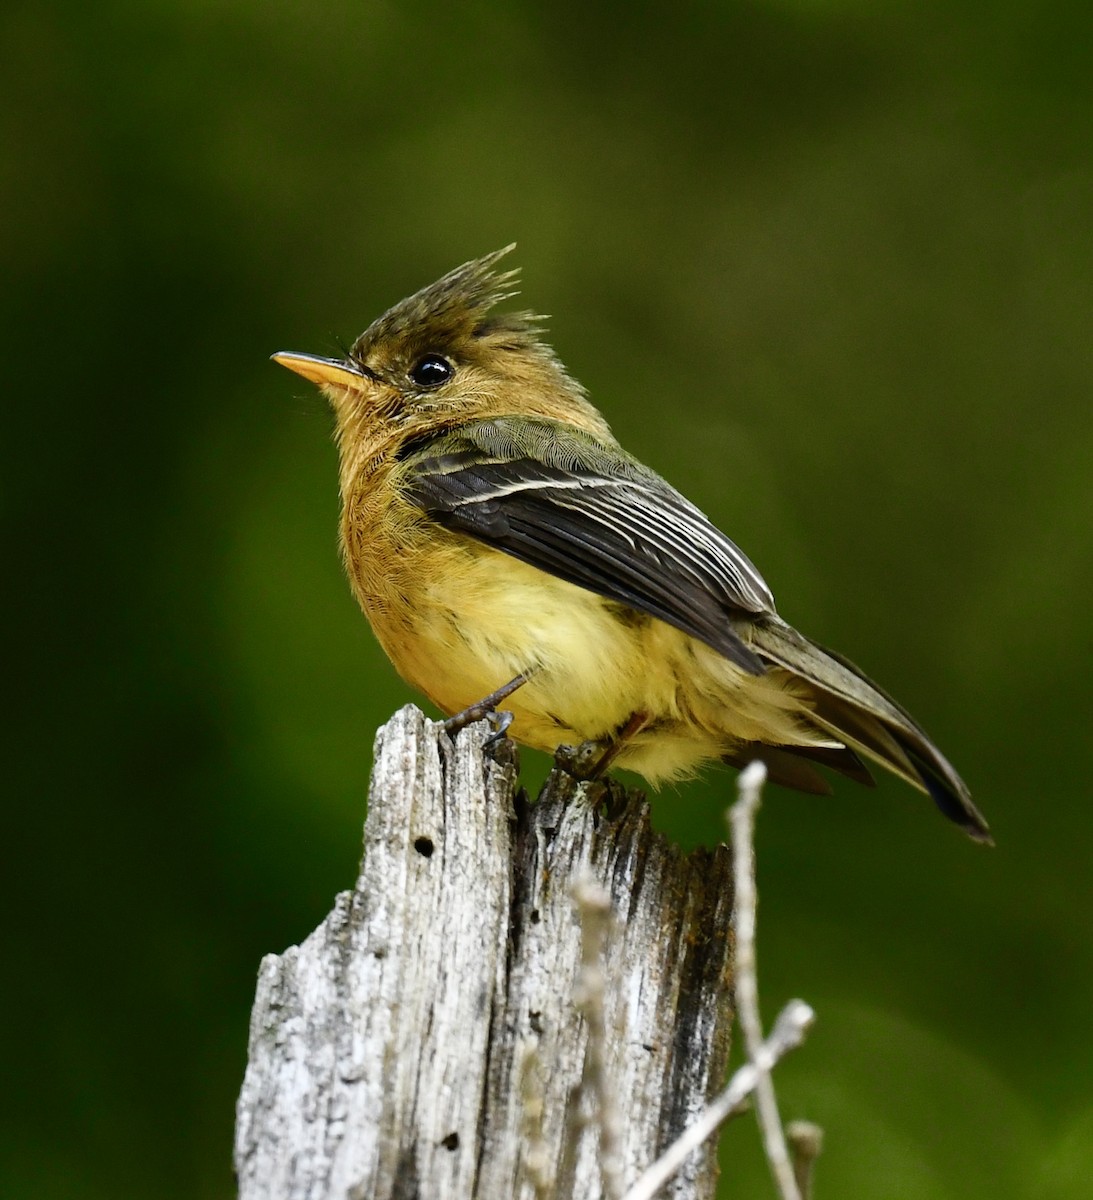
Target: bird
column 505, row 548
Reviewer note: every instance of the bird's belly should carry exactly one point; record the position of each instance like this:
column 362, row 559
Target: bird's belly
column 484, row 618
column 489, row 618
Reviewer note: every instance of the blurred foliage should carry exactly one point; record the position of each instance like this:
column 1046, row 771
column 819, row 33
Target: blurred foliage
column 827, row 265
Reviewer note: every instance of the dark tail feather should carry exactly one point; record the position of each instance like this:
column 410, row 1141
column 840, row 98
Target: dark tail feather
column 849, row 705
column 957, row 807
column 784, row 765
column 837, row 758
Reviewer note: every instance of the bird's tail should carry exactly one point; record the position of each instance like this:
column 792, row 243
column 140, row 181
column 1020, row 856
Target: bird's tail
column 847, row 704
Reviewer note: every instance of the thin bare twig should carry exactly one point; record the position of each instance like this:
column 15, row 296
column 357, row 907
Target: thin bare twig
column 536, row 1157
column 788, row 1033
column 594, row 911
column 806, row 1140
column 742, row 820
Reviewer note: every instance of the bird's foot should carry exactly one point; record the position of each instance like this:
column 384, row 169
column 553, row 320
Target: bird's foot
column 585, row 761
column 593, row 759
column 486, row 709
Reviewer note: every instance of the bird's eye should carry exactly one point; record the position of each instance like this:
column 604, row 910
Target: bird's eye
column 431, row 371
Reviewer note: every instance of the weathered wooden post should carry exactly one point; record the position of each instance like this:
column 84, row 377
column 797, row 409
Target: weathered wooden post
column 425, row 1040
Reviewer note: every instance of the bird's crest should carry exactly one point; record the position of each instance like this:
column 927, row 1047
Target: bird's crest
column 457, row 305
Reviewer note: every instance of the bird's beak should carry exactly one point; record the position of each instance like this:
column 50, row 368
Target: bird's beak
column 329, row 372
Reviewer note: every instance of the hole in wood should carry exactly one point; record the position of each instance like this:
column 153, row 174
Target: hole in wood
column 451, row 1142
column 424, row 846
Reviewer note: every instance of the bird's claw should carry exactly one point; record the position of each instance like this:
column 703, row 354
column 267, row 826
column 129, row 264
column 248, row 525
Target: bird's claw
column 486, row 709
column 495, row 745
column 500, row 722
column 586, row 761
column 479, row 712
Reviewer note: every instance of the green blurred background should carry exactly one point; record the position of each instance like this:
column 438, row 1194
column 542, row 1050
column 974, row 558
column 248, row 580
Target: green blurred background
column 828, row 266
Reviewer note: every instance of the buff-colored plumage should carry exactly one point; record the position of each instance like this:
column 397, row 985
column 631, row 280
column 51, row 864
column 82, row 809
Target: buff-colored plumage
column 492, row 526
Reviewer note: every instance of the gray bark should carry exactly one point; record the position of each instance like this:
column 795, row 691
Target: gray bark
column 424, row 1041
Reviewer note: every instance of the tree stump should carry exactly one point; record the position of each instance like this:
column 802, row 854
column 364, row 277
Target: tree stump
column 424, row 1041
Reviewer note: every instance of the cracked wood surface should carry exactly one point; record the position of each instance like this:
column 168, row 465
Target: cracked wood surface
column 424, row 1042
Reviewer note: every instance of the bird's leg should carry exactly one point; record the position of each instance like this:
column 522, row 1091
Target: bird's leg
column 592, row 759
column 487, row 707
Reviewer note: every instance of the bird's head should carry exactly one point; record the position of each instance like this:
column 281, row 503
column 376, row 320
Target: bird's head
column 442, row 357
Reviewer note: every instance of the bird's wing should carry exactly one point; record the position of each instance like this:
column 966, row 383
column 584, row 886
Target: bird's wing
column 565, row 502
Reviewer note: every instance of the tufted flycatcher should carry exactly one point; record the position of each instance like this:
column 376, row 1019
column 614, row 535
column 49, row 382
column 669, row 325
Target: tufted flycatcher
column 503, row 544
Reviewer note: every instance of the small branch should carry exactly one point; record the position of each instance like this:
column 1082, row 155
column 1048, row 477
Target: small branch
column 536, row 1157
column 594, row 910
column 789, row 1032
column 742, row 819
column 806, row 1140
